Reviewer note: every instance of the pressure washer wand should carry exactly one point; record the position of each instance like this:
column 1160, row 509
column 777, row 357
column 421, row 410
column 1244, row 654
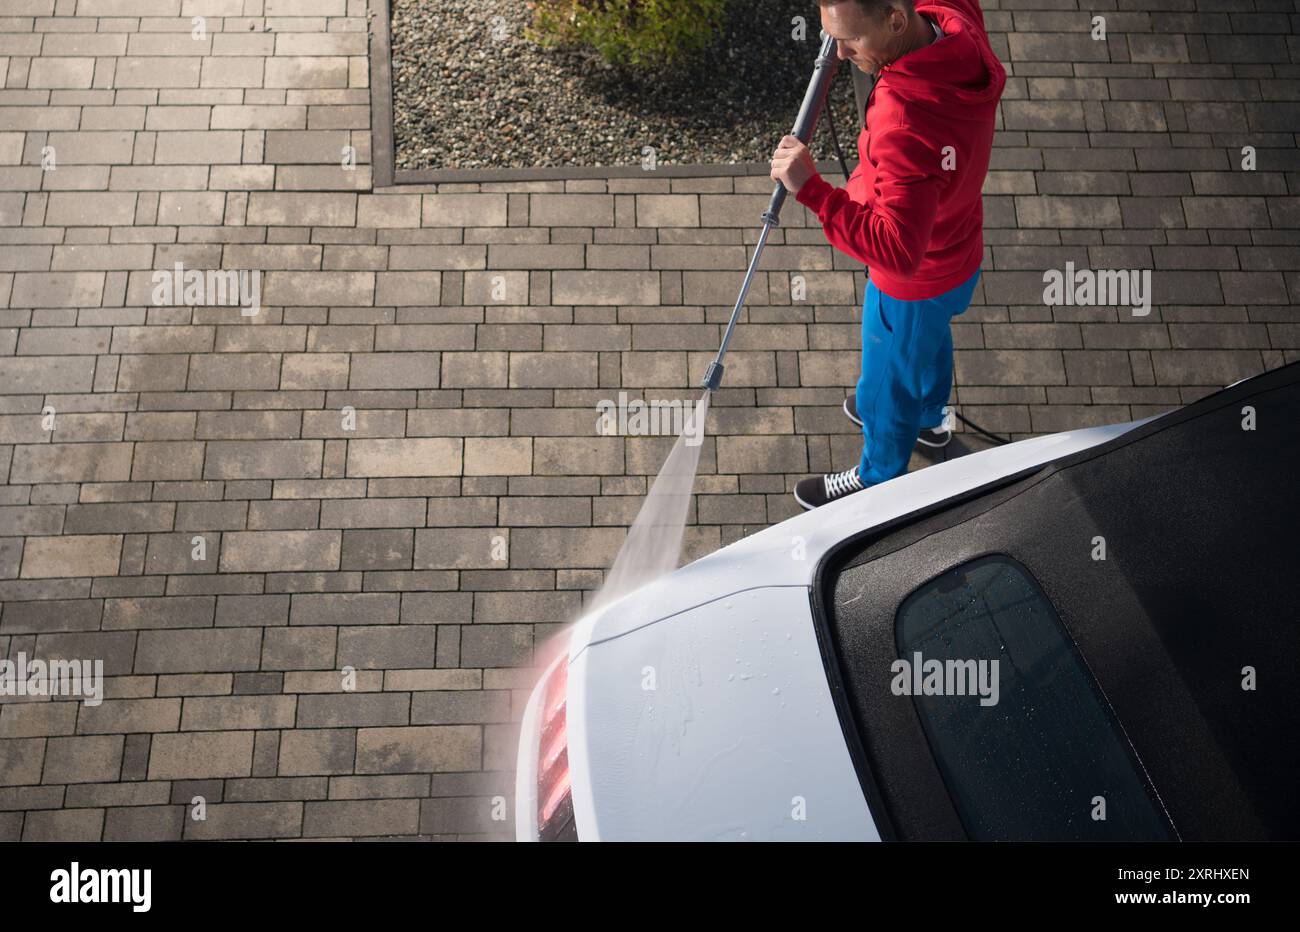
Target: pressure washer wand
column 823, row 73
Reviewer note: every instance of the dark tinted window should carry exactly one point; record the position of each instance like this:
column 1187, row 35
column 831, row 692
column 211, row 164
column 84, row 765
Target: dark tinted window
column 1030, row 765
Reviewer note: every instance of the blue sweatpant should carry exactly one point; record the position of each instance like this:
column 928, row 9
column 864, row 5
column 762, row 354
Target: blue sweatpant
column 906, row 374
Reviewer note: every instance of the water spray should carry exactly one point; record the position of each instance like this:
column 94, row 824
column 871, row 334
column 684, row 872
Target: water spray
column 654, row 541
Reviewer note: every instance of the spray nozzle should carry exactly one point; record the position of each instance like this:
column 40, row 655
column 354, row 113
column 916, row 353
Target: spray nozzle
column 712, row 376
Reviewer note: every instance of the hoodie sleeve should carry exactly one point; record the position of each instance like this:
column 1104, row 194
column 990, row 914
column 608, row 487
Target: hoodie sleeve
column 893, row 233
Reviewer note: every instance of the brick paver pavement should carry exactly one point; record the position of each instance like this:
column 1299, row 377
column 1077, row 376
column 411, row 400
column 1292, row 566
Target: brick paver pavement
column 393, row 466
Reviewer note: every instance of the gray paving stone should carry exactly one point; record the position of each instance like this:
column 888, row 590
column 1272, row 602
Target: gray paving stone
column 169, row 612
column 457, row 706
column 311, row 751
column 377, row 549
column 217, row 713
column 33, row 719
column 283, row 551
column 144, row 823
column 263, row 459
column 343, row 818
column 433, row 748
column 436, row 456
column 72, row 555
column 64, row 825
column 248, row 820
column 273, row 789
column 71, row 462
column 441, row 608
column 88, row 759
column 377, row 608
column 500, row 645
column 388, row 647
column 21, row 760
column 127, row 716
column 198, row 650
column 352, row 710
column 186, row 755
column 115, row 648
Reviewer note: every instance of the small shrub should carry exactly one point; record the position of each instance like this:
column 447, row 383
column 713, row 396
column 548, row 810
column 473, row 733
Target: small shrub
column 639, row 34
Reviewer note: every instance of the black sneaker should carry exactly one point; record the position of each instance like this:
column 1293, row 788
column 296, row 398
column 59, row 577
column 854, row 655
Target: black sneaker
column 818, row 490
column 934, row 436
column 851, row 409
column 929, row 436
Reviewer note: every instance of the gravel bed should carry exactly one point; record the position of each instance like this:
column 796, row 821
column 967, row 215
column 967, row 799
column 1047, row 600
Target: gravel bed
column 470, row 91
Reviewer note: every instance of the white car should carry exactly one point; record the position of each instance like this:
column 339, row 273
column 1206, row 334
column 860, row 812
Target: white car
column 1087, row 635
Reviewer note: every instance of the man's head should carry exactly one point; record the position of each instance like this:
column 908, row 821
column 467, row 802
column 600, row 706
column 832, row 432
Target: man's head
column 870, row 33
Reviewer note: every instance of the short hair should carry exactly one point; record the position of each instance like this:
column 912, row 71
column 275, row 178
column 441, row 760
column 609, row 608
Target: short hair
column 875, row 8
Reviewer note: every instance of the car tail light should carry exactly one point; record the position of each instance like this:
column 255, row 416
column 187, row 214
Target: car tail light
column 554, row 794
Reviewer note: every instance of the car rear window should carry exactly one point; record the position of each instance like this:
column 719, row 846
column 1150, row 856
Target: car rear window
column 1030, row 749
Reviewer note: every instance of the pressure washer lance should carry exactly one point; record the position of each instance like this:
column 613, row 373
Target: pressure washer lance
column 823, row 73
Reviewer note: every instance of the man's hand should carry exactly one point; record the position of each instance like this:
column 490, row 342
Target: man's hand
column 792, row 164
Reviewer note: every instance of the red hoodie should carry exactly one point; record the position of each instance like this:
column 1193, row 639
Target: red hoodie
column 911, row 210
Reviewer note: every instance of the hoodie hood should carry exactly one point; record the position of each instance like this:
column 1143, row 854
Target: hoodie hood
column 958, row 75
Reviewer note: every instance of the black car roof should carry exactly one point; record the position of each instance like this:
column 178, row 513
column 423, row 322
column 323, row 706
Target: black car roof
column 1199, row 515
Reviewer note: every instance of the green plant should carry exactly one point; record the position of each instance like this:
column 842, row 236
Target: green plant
column 640, row 34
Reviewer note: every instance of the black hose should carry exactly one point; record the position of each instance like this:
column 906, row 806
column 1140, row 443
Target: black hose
column 971, row 424
column 839, row 154
column 835, row 138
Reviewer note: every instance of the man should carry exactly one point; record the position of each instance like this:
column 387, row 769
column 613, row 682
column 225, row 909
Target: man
column 911, row 212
